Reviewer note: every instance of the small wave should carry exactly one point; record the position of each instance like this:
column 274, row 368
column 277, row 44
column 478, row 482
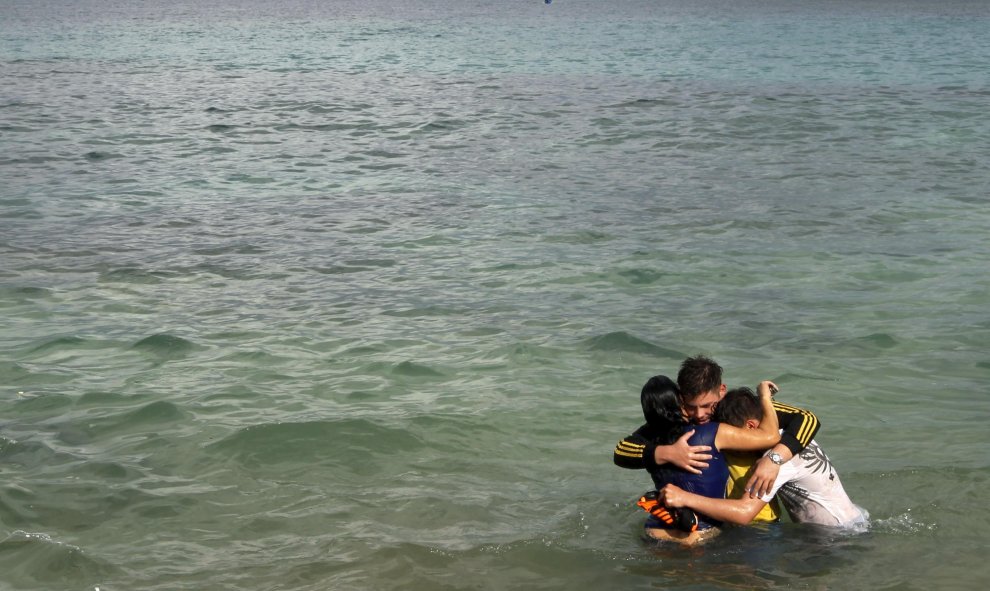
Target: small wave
column 313, row 441
column 640, row 276
column 59, row 343
column 97, row 156
column 148, row 416
column 441, row 125
column 643, row 104
column 27, row 292
column 27, row 454
column 165, row 345
column 798, row 377
column 368, row 350
column 380, row 166
column 129, row 275
column 101, row 398
column 384, row 154
column 340, row 270
column 34, row 558
column 432, row 240
column 409, row 368
column 373, row 262
column 230, row 249
column 17, row 128
column 580, row 237
column 877, row 340
column 256, row 359
column 108, row 471
column 16, row 373
column 42, row 402
column 35, row 159
column 424, row 312
column 522, row 354
column 624, row 342
column 251, row 180
column 156, row 412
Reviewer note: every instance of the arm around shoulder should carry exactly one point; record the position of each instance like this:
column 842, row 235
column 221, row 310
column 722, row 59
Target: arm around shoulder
column 799, row 425
column 765, row 436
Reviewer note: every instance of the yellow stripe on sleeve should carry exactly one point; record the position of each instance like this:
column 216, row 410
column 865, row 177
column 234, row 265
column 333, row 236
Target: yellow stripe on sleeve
column 807, row 428
column 809, row 422
column 629, row 450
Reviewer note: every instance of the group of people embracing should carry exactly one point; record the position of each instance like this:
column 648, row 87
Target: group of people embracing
column 721, row 456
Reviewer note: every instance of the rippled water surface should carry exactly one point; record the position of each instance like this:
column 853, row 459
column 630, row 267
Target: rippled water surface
column 360, row 296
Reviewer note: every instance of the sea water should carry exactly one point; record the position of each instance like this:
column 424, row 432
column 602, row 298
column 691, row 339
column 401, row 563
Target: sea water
column 360, row 295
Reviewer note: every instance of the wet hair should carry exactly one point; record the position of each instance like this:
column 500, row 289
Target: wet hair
column 662, row 408
column 698, row 374
column 737, row 406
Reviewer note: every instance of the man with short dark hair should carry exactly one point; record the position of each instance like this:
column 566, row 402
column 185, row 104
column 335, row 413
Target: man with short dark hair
column 807, row 486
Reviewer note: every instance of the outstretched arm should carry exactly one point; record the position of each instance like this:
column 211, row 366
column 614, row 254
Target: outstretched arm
column 739, row 511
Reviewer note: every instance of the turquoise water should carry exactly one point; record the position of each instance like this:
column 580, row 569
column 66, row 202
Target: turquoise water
column 358, row 296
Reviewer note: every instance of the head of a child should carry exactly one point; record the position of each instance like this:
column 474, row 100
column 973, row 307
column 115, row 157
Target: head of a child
column 701, row 388
column 740, row 407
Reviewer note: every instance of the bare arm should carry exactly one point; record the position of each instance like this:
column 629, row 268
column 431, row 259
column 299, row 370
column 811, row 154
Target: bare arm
column 739, row 511
column 764, row 437
column 766, row 389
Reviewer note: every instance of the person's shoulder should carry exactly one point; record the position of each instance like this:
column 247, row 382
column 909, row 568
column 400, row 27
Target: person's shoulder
column 709, row 427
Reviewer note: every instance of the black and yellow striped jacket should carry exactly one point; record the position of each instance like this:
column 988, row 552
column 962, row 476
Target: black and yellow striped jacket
column 637, row 450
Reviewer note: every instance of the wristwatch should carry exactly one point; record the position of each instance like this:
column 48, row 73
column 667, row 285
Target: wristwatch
column 776, row 458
